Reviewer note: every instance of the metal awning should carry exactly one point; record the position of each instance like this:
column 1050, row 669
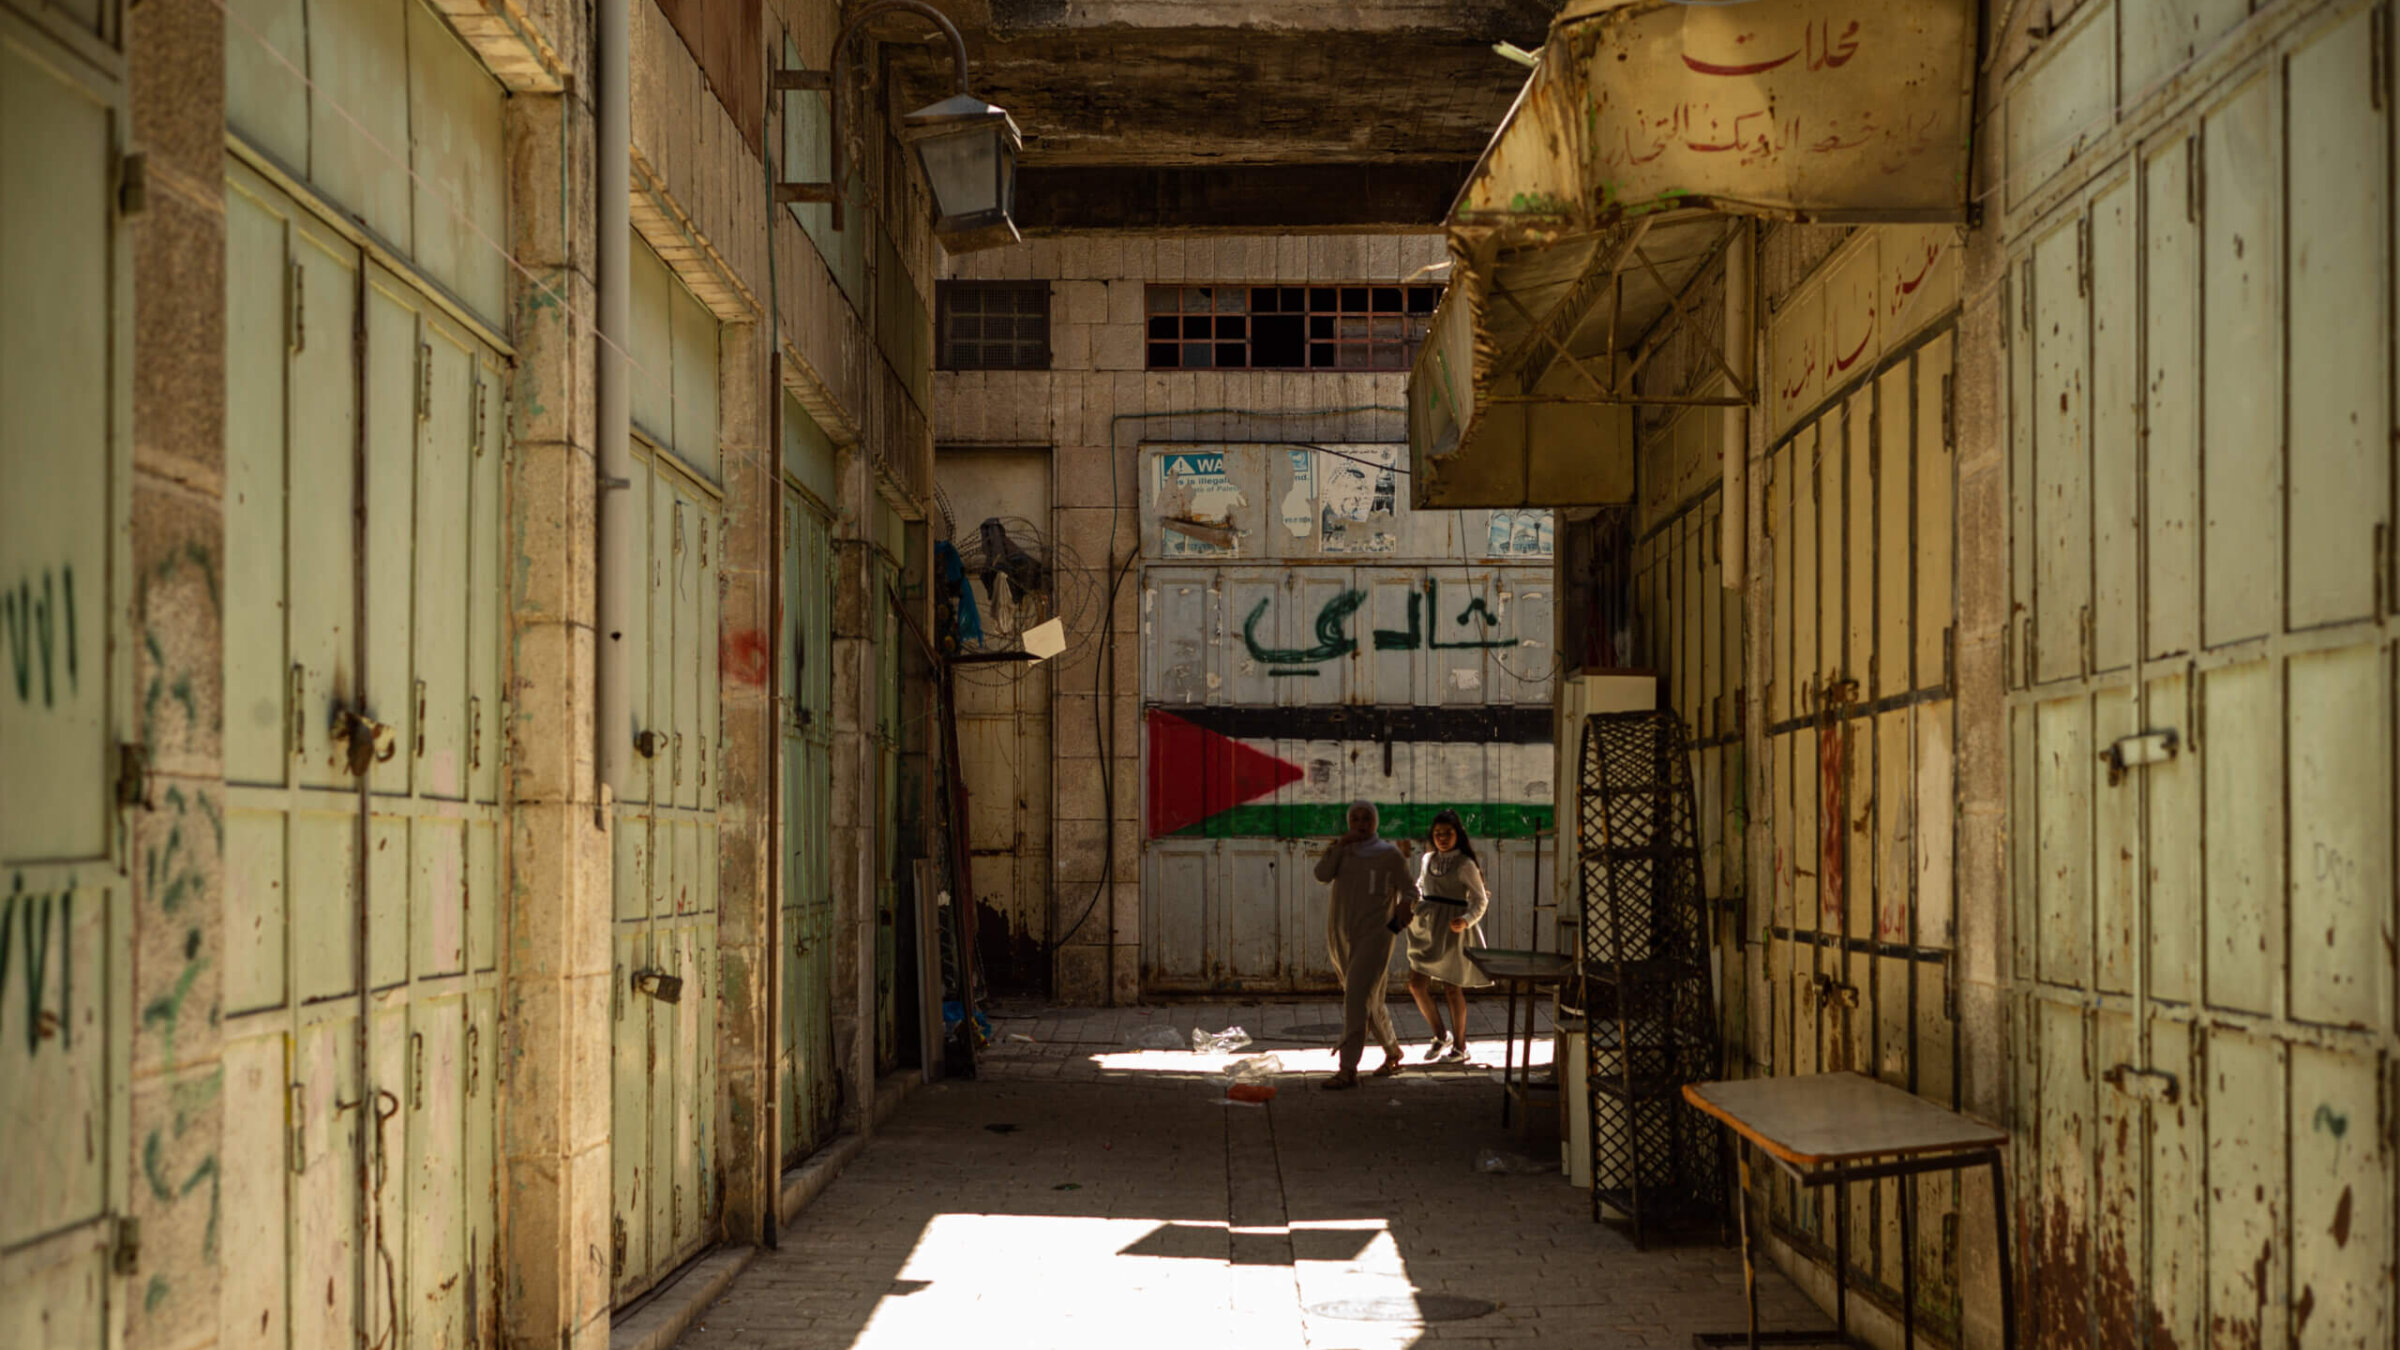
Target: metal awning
column 1648, row 131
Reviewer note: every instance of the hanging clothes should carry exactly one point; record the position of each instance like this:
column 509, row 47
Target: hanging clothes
column 953, row 571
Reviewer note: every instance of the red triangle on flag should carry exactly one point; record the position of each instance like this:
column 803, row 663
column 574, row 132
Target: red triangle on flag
column 1195, row 773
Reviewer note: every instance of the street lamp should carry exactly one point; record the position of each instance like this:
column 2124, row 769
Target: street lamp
column 967, row 147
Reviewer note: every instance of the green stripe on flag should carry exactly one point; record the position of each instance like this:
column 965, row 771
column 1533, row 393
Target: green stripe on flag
column 1312, row 820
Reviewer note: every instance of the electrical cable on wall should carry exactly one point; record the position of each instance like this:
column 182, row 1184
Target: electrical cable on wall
column 1103, row 705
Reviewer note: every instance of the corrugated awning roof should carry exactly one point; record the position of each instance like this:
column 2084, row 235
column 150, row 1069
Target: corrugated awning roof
column 1610, row 184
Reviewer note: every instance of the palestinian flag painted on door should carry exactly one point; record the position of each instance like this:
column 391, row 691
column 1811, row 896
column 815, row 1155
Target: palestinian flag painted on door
column 1292, row 772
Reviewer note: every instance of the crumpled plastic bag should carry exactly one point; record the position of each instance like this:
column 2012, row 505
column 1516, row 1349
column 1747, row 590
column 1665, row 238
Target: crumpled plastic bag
column 1158, row 1038
column 1218, row 1042
column 1251, row 1092
column 1493, row 1160
column 1253, row 1069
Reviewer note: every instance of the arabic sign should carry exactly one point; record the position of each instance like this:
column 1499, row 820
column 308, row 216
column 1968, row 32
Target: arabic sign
column 1852, row 109
column 1870, row 298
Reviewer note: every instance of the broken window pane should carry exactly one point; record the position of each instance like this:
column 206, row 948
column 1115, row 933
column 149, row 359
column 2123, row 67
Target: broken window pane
column 1286, row 327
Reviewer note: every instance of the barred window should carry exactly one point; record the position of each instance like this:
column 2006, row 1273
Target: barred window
column 994, row 325
column 1288, row 327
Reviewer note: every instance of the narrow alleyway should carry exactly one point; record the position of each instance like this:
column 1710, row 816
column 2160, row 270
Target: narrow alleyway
column 1084, row 1192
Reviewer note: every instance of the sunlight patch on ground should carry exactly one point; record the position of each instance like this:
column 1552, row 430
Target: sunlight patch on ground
column 1482, row 1054
column 1008, row 1280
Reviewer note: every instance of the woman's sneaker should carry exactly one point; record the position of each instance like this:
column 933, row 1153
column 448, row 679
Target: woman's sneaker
column 1434, row 1051
column 1456, row 1054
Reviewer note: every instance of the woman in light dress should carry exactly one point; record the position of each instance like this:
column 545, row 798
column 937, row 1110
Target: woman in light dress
column 1452, row 900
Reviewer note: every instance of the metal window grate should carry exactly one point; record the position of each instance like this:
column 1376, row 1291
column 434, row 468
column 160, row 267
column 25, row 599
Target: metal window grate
column 995, row 325
column 1341, row 328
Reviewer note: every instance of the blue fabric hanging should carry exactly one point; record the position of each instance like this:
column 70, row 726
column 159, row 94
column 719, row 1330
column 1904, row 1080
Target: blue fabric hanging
column 954, row 580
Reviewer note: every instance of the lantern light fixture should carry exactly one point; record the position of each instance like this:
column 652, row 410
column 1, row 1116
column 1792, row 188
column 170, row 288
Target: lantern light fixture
column 966, row 147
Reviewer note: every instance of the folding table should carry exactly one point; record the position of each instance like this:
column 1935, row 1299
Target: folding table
column 1830, row 1129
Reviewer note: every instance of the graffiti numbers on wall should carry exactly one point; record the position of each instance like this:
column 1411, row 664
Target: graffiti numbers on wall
column 33, row 620
column 26, row 958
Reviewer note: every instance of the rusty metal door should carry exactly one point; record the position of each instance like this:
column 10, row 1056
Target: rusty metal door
column 1004, row 744
column 362, row 821
column 1854, row 942
column 2201, row 707
column 1309, row 639
column 65, row 1036
column 664, row 988
column 807, row 1075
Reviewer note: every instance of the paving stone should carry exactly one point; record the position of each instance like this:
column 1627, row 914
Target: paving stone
column 1131, row 1206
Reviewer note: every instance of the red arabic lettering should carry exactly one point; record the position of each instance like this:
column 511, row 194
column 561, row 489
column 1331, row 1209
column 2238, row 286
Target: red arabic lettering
column 1754, row 68
column 1825, row 51
column 1907, row 288
column 1844, row 363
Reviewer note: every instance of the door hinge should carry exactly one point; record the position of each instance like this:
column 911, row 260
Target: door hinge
column 296, row 1119
column 475, row 419
column 2195, row 179
column 133, row 776
column 420, row 719
column 2025, row 298
column 416, row 1070
column 125, row 1255
column 2195, row 698
column 616, row 1242
column 2083, row 625
column 616, row 1010
column 677, row 758
column 2083, row 255
column 295, row 298
column 474, row 731
column 424, row 381
column 508, row 744
column 1949, row 409
column 474, row 1057
column 133, row 184
column 299, row 694
column 2006, row 306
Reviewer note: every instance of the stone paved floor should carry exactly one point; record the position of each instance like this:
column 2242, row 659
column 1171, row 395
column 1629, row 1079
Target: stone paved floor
column 1082, row 1192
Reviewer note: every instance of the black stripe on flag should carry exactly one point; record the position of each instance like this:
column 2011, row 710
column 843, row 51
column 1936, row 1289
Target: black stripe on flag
column 1522, row 724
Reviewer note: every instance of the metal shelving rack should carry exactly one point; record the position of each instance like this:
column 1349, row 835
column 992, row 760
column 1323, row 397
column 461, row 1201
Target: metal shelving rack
column 1651, row 1020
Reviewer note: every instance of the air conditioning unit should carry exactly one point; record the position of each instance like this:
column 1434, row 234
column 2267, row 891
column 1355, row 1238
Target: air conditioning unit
column 1582, row 695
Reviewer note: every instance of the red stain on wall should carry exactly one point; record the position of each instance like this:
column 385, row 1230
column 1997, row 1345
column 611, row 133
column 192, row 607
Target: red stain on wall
column 743, row 656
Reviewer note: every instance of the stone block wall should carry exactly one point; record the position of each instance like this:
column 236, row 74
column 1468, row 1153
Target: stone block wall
column 1093, row 409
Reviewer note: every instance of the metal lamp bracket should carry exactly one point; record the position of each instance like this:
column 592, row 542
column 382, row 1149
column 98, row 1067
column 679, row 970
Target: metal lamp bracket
column 830, row 83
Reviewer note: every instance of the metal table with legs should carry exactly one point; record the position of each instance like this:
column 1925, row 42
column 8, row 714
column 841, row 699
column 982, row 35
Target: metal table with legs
column 1830, row 1129
column 1527, row 971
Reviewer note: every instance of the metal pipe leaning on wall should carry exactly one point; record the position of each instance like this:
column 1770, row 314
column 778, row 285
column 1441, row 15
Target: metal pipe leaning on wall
column 613, row 224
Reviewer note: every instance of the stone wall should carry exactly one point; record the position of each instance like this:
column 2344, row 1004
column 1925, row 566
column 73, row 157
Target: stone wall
column 1093, row 409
